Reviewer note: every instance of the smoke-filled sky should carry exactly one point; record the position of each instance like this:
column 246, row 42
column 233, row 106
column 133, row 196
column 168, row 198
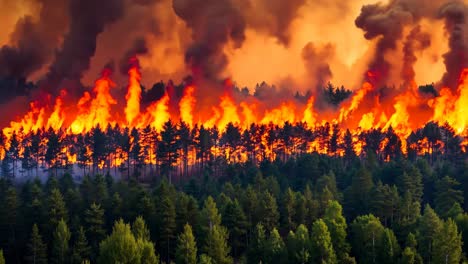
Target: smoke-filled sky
column 298, row 44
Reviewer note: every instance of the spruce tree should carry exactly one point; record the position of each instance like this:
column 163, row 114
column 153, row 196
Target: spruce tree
column 322, row 247
column 235, row 221
column 140, row 230
column 186, row 251
column 275, row 249
column 57, row 209
column 429, row 227
column 367, row 232
column 166, row 221
column 60, row 246
column 122, row 247
column 81, row 250
column 257, row 247
column 446, row 195
column 36, row 249
column 94, row 226
column 216, row 245
column 298, row 244
column 209, row 215
column 389, row 248
column 289, row 210
column 447, row 245
column 337, row 226
column 269, row 214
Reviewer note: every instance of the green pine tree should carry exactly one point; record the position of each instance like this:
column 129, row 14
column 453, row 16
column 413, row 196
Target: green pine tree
column 36, row 249
column 61, row 241
column 269, row 215
column 81, row 250
column 322, row 247
column 57, row 209
column 257, row 247
column 337, row 226
column 122, row 247
column 186, row 251
column 216, row 245
column 205, row 259
column 209, row 215
column 429, row 227
column 289, row 210
column 298, row 244
column 447, row 245
column 367, row 232
column 446, row 195
column 166, row 221
column 94, row 226
column 235, row 221
column 389, row 248
column 2, row 258
column 275, row 249
column 140, row 230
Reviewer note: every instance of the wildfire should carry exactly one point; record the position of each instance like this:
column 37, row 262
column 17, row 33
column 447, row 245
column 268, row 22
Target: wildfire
column 364, row 111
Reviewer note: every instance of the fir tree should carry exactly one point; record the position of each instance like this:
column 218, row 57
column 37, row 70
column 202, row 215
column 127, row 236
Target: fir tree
column 94, row 225
column 81, row 250
column 216, row 245
column 166, row 221
column 37, row 250
column 186, row 251
column 322, row 247
column 61, row 243
column 447, row 245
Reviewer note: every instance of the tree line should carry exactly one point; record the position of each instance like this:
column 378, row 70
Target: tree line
column 308, row 208
column 180, row 151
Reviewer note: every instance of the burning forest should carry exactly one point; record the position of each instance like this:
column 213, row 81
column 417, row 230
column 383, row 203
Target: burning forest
column 397, row 88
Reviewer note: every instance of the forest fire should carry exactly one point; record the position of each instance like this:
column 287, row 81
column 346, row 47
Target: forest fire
column 363, row 113
column 119, row 123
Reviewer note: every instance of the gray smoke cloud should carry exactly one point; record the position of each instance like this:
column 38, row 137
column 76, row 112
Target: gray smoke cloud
column 87, row 21
column 316, row 62
column 454, row 13
column 213, row 24
column 415, row 41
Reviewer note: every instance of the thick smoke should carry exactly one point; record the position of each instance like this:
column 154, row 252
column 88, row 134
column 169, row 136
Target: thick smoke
column 273, row 16
column 316, row 63
column 415, row 41
column 139, row 47
column 387, row 22
column 33, row 41
column 213, row 24
column 88, row 20
column 455, row 60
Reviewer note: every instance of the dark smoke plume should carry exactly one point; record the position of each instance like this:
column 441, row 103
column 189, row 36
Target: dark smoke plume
column 88, row 19
column 139, row 47
column 213, row 24
column 316, row 63
column 455, row 60
column 415, row 41
column 277, row 17
column 31, row 46
column 33, row 43
column 387, row 22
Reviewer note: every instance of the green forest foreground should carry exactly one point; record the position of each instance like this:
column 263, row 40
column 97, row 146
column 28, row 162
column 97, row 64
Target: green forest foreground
column 309, row 209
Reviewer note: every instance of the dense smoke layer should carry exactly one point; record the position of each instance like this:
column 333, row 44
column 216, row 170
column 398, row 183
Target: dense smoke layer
column 87, row 21
column 31, row 45
column 455, row 13
column 296, row 43
column 415, row 41
column 213, row 24
column 316, row 62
